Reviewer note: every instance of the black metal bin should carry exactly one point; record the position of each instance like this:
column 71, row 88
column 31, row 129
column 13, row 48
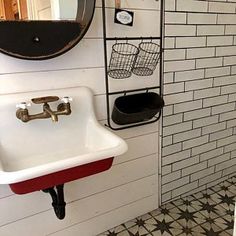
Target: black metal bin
column 135, row 108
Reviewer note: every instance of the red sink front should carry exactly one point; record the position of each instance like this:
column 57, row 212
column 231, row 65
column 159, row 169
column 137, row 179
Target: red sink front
column 61, row 177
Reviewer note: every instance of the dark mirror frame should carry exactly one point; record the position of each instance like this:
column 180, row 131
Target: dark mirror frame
column 40, row 40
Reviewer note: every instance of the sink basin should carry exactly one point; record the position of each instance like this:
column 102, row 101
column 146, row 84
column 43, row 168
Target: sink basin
column 41, row 154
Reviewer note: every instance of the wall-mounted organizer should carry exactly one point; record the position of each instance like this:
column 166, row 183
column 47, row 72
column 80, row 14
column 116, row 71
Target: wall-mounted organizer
column 136, row 107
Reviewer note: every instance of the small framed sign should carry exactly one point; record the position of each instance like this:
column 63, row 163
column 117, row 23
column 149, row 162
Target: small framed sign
column 124, row 17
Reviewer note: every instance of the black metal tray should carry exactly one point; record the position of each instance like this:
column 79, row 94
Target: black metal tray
column 136, row 108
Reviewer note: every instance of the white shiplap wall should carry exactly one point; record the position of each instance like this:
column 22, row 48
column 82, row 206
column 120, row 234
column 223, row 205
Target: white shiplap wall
column 130, row 187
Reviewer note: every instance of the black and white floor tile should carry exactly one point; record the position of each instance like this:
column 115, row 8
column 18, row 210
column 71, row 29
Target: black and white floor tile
column 207, row 213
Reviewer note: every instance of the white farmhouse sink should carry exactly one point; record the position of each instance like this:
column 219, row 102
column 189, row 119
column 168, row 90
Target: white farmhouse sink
column 41, row 148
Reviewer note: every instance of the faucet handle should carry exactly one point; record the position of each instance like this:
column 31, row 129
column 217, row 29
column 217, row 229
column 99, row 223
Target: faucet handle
column 23, row 105
column 67, row 99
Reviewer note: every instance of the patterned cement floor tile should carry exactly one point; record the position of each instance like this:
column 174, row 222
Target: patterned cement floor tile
column 163, row 224
column 207, row 213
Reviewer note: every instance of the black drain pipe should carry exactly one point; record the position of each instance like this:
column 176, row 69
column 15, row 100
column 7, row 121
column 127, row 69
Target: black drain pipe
column 58, row 202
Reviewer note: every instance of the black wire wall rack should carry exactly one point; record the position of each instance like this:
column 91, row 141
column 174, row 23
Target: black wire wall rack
column 161, row 69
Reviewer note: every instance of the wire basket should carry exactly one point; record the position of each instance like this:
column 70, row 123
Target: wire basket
column 147, row 59
column 122, row 60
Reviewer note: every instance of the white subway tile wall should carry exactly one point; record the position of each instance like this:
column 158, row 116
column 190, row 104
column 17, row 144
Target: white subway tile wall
column 199, row 147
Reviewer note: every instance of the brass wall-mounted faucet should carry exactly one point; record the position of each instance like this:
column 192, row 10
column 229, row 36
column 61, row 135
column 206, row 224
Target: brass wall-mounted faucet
column 63, row 108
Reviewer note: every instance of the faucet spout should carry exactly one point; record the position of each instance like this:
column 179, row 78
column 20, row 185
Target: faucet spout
column 48, row 111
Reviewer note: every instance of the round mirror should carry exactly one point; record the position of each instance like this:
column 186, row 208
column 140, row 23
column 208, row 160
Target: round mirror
column 42, row 29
